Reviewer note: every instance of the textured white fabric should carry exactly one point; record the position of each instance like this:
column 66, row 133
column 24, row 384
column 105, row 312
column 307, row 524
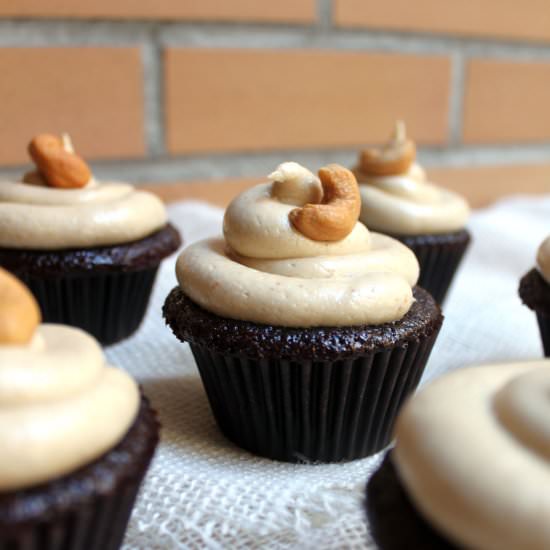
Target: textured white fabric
column 203, row 492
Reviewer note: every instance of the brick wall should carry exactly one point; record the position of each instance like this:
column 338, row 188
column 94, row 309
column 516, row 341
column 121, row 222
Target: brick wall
column 192, row 90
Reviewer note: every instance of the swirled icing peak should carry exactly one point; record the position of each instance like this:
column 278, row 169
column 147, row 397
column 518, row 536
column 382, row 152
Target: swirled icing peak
column 543, row 259
column 61, row 406
column 37, row 216
column 396, row 196
column 266, row 271
column 296, row 185
column 473, row 452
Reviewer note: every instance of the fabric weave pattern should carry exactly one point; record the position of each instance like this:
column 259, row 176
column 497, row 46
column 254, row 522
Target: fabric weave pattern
column 204, row 492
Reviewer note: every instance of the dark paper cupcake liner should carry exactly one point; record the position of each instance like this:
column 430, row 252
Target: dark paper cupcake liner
column 97, row 526
column 310, row 411
column 544, row 326
column 110, row 306
column 88, row 510
column 103, row 290
column 439, row 257
column 394, row 521
column 534, row 292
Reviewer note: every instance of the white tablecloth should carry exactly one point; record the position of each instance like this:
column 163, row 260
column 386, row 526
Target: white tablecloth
column 203, row 492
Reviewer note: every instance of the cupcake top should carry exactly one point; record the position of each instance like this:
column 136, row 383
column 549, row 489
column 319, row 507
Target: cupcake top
column 473, row 452
column 61, row 406
column 61, row 205
column 295, row 255
column 396, row 196
column 543, row 260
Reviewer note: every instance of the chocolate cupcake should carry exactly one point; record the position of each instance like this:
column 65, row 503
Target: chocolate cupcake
column 303, row 324
column 77, row 437
column 471, row 466
column 88, row 250
column 398, row 200
column 534, row 291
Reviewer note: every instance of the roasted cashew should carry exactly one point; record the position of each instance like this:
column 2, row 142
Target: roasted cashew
column 58, row 166
column 19, row 312
column 335, row 217
column 392, row 159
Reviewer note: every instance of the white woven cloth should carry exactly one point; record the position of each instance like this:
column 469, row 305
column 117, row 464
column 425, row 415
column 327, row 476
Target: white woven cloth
column 203, row 492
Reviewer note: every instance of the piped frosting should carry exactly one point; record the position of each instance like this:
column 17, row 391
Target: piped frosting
column 405, row 202
column 473, row 453
column 100, row 214
column 37, row 216
column 266, row 271
column 61, row 406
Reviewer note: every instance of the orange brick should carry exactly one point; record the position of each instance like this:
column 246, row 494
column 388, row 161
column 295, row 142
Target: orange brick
column 237, row 100
column 508, row 19
column 95, row 94
column 290, row 11
column 506, row 102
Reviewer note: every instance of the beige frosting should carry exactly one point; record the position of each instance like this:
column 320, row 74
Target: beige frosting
column 543, row 260
column 267, row 272
column 61, row 407
column 473, row 451
column 48, row 218
column 407, row 204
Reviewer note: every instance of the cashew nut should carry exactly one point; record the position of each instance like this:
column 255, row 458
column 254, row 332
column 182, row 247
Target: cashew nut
column 19, row 312
column 335, row 217
column 59, row 166
column 394, row 158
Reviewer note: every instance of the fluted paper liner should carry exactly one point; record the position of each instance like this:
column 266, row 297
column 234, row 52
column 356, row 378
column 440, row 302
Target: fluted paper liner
column 309, row 411
column 544, row 326
column 439, row 257
column 110, row 306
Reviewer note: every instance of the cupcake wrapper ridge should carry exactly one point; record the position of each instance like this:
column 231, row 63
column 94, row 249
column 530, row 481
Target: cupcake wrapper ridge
column 100, row 525
column 544, row 326
column 439, row 257
column 309, row 411
column 110, row 306
column 103, row 290
column 534, row 292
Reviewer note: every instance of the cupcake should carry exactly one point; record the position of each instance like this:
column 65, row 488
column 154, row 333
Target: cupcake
column 471, row 464
column 88, row 250
column 305, row 327
column 534, row 290
column 76, row 435
column 397, row 200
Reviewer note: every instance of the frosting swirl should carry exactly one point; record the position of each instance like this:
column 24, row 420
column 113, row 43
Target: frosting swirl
column 36, row 217
column 61, row 407
column 473, row 451
column 268, row 272
column 407, row 204
column 543, row 260
column 396, row 197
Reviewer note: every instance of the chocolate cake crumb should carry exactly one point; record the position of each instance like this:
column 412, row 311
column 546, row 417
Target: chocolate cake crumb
column 134, row 256
column 191, row 323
